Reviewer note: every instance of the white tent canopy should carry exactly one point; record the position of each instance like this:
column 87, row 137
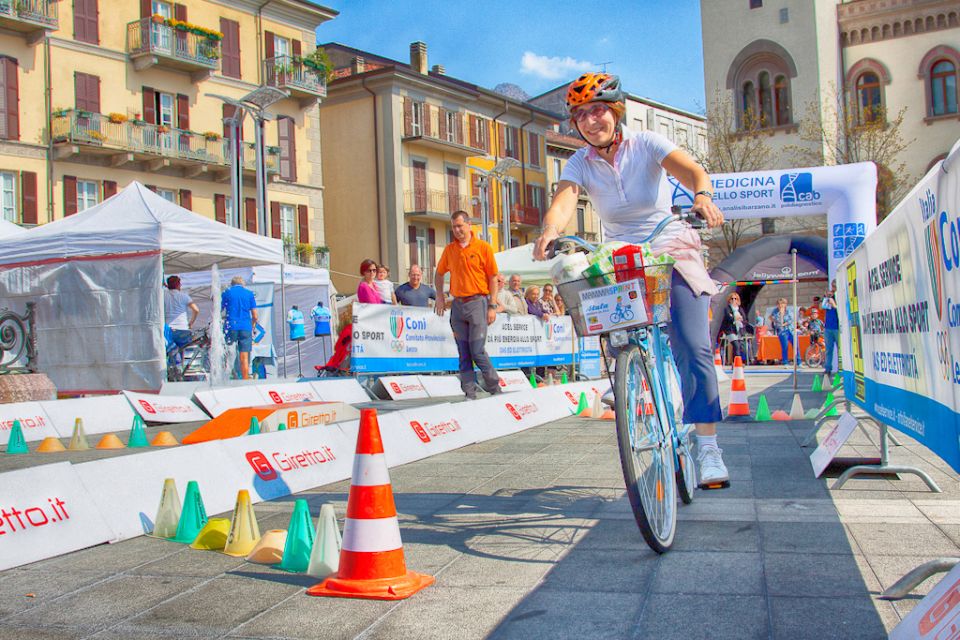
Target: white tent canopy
column 8, row 229
column 136, row 220
column 520, row 260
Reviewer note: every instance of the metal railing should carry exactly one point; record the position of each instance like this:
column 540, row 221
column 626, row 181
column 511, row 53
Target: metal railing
column 18, row 341
column 42, row 12
column 433, row 201
column 99, row 130
column 525, row 215
column 147, row 36
column 289, row 72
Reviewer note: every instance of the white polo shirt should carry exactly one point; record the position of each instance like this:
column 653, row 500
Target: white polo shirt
column 632, row 196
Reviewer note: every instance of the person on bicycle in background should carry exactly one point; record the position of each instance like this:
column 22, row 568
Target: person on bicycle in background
column 624, row 173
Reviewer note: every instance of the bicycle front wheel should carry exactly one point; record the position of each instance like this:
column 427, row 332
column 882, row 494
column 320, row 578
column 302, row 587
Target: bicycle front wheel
column 646, row 454
column 814, row 356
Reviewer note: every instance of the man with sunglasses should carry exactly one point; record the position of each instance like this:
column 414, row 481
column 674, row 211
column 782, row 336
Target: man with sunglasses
column 624, row 173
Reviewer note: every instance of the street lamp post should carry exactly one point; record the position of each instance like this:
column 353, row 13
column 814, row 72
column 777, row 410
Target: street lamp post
column 498, row 172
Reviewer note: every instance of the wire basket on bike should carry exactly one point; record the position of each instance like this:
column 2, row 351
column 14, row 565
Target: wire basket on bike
column 653, row 282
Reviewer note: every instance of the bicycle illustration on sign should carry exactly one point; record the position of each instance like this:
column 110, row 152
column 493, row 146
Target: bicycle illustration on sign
column 621, row 313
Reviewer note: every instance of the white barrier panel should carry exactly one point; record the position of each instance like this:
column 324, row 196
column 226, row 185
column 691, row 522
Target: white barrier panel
column 514, row 380
column 440, row 428
column 283, row 393
column 216, row 401
column 309, row 415
column 899, row 308
column 937, row 617
column 45, row 512
column 342, row 389
column 127, row 488
column 168, row 409
column 828, row 447
column 404, row 387
column 443, row 386
column 100, row 414
column 34, row 421
column 411, row 339
column 281, row 463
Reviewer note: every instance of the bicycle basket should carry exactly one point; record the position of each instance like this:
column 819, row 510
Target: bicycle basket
column 654, row 285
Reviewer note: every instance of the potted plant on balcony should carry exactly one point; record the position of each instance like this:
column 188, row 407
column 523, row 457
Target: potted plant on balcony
column 158, row 19
column 117, row 118
column 211, row 136
column 95, row 136
column 304, row 251
column 322, row 254
column 319, row 61
column 163, row 129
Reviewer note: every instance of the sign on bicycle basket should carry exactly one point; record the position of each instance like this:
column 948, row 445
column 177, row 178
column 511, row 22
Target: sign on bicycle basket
column 613, row 307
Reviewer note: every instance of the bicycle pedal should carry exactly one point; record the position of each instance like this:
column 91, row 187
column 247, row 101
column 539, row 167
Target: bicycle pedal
column 715, row 485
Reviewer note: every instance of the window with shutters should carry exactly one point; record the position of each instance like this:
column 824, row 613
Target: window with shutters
column 536, row 198
column 167, row 194
column 534, row 143
column 416, row 124
column 281, row 46
column 481, row 132
column 159, row 33
column 423, row 249
column 286, row 129
column 453, row 130
column 230, row 48
column 288, row 223
column 510, row 142
column 88, row 194
column 581, row 221
column 557, row 169
column 85, row 21
column 87, row 92
column 9, row 100
column 8, row 195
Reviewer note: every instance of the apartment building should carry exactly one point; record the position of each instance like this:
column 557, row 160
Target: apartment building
column 97, row 93
column 404, row 145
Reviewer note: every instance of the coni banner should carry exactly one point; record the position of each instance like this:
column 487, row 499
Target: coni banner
column 403, row 339
column 900, row 302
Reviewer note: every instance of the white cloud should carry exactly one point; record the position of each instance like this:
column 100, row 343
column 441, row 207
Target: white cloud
column 552, row 67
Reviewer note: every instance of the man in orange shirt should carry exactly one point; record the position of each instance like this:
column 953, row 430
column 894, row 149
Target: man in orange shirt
column 473, row 286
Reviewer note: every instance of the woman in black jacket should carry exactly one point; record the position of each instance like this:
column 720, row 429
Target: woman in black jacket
column 734, row 325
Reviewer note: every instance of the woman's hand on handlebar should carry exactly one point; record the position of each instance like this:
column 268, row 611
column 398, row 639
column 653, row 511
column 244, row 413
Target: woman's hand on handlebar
column 711, row 214
column 548, row 235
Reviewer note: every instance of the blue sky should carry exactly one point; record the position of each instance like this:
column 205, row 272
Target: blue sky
column 654, row 45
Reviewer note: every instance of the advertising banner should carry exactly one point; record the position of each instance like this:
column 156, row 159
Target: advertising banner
column 34, row 421
column 590, row 356
column 169, row 409
column 404, row 387
column 937, row 617
column 513, row 380
column 899, row 302
column 44, row 512
column 340, row 389
column 388, row 339
column 100, row 414
column 444, row 386
column 284, row 393
column 612, row 307
column 440, row 428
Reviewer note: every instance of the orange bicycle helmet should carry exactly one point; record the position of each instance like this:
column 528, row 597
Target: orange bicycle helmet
column 594, row 87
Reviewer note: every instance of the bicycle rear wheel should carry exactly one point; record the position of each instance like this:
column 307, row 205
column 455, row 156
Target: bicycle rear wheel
column 686, row 472
column 646, row 455
column 814, row 356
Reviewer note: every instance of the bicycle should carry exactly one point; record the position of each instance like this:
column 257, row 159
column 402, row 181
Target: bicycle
column 192, row 360
column 654, row 442
column 621, row 314
column 814, row 355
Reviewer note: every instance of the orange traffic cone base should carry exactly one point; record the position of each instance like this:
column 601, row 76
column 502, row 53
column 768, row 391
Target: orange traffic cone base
column 376, row 589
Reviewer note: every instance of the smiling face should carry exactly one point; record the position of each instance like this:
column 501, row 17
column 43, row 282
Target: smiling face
column 461, row 228
column 597, row 123
column 415, row 275
column 515, row 283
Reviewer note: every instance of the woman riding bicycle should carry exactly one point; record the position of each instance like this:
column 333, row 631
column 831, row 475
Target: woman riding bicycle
column 624, row 174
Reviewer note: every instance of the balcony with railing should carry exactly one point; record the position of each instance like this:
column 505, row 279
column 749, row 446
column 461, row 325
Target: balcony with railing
column 433, row 203
column 32, row 17
column 118, row 141
column 301, row 77
column 160, row 42
column 527, row 216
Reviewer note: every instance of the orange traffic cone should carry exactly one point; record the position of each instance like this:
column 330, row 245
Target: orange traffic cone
column 647, row 399
column 718, row 366
column 371, row 558
column 738, row 392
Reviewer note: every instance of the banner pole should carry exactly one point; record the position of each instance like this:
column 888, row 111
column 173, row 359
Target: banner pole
column 796, row 322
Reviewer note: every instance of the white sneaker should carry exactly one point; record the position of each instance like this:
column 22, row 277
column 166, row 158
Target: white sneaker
column 607, row 398
column 712, row 469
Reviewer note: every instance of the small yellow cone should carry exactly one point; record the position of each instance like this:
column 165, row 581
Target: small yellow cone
column 270, row 548
column 213, row 536
column 164, row 439
column 50, row 445
column 168, row 513
column 78, row 441
column 244, row 530
column 110, row 441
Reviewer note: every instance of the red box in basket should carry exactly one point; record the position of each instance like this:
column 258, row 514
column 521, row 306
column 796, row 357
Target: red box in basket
column 628, row 263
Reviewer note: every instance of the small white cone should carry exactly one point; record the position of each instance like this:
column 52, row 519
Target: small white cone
column 325, row 557
column 597, row 408
column 721, row 374
column 796, row 409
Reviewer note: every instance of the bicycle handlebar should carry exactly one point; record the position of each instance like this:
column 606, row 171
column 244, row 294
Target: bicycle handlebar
column 676, row 214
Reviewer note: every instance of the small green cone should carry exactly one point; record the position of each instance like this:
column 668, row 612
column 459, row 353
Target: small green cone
column 138, row 436
column 837, row 380
column 533, row 380
column 583, row 404
column 282, row 427
column 17, row 443
column 193, row 517
column 817, row 383
column 811, row 413
column 763, row 411
column 299, row 545
column 254, row 426
column 563, row 378
column 828, row 401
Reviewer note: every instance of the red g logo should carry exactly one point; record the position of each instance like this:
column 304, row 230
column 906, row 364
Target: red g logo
column 293, row 420
column 276, row 397
column 503, row 383
column 396, row 388
column 514, row 412
column 146, row 406
column 936, row 613
column 570, row 397
column 261, row 466
column 419, row 430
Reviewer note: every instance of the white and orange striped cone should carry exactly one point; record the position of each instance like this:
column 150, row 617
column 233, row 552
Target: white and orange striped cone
column 372, row 565
column 738, row 393
column 647, row 398
column 718, row 365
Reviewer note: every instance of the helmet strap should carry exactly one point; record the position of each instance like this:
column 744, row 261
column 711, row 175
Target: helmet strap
column 617, row 137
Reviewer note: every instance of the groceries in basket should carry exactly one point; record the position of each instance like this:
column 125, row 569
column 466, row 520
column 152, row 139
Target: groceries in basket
column 600, row 271
column 569, row 267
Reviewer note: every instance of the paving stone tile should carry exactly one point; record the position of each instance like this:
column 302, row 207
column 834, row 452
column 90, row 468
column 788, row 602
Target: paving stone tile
column 44, row 585
column 821, row 575
column 835, row 618
column 308, row 617
column 902, row 539
column 39, row 633
column 469, row 570
column 806, row 537
column 548, row 615
column 669, row 616
column 717, row 536
column 705, row 572
column 628, row 570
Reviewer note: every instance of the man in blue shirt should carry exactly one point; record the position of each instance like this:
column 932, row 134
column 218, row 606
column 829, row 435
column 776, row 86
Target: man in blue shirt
column 831, row 326
column 240, row 309
column 414, row 293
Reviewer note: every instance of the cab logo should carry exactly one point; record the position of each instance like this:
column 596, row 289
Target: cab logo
column 518, row 411
column 797, row 187
column 147, row 407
